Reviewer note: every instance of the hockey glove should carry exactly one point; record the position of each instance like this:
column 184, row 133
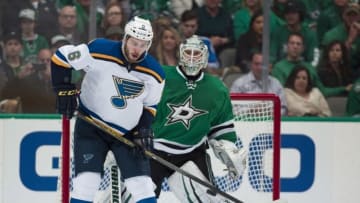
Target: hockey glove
column 231, row 156
column 66, row 101
column 143, row 138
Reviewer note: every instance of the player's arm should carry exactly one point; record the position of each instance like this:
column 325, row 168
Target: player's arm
column 65, row 59
column 154, row 86
column 222, row 139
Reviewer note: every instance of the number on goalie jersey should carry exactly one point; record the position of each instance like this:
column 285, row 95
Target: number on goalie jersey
column 121, row 88
column 195, row 106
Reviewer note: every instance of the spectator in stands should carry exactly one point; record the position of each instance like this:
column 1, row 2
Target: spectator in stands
column 158, row 24
column 14, row 65
column 216, row 23
column 353, row 100
column 113, row 17
column 243, row 16
column 253, row 82
column 188, row 26
column 114, row 33
column 294, row 16
column 32, row 41
column 46, row 15
column 82, row 16
column 348, row 32
column 33, row 93
column 67, row 25
column 178, row 7
column 250, row 42
column 125, row 5
column 334, row 68
column 302, row 97
column 168, row 46
column 281, row 70
column 330, row 17
column 312, row 12
column 278, row 7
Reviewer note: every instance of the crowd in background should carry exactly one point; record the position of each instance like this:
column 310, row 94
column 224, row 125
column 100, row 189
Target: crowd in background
column 314, row 46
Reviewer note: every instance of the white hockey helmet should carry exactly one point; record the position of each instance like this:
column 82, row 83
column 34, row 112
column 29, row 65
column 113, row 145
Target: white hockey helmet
column 139, row 28
column 193, row 55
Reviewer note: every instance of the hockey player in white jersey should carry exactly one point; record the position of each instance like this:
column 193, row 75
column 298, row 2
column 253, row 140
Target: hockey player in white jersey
column 121, row 88
column 195, row 107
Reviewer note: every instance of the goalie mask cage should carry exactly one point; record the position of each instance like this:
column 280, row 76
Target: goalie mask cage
column 257, row 124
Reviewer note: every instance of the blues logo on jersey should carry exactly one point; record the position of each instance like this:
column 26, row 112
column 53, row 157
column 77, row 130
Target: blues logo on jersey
column 126, row 89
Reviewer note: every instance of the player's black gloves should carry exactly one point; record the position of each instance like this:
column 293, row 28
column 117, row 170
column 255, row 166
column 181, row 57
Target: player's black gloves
column 143, row 138
column 66, row 101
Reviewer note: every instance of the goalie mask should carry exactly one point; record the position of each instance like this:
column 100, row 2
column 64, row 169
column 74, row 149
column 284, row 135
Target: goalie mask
column 193, row 55
column 140, row 29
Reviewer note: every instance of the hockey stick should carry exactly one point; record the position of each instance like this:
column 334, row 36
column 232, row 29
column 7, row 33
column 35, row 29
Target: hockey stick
column 212, row 189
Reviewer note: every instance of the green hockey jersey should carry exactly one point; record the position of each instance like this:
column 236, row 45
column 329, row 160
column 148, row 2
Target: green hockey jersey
column 190, row 112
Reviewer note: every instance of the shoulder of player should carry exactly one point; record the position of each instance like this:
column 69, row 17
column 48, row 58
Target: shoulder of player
column 107, row 50
column 151, row 67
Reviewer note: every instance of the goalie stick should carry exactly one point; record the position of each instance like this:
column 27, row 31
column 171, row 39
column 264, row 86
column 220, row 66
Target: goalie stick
column 212, row 189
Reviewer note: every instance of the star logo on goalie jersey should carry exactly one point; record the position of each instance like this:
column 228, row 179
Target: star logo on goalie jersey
column 126, row 89
column 183, row 113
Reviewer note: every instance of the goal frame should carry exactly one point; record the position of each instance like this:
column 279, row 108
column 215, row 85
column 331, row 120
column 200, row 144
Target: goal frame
column 276, row 136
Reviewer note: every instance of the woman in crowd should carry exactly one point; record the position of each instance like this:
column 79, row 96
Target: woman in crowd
column 114, row 17
column 166, row 50
column 334, row 67
column 302, row 98
column 250, row 42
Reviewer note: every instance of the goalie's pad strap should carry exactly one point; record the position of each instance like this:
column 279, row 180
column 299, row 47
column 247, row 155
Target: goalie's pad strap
column 187, row 190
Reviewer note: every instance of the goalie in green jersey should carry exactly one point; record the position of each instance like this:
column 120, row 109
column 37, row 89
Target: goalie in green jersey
column 195, row 110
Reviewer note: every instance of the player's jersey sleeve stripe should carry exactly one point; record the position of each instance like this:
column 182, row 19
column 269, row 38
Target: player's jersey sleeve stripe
column 107, row 58
column 60, row 61
column 149, row 72
column 221, row 129
column 174, row 147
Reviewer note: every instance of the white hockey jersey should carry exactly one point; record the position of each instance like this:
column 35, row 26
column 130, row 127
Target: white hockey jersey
column 112, row 90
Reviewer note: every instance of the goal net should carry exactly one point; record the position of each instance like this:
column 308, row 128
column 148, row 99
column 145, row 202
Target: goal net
column 257, row 125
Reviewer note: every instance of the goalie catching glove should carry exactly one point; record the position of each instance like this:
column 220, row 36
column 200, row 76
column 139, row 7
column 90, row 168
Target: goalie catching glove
column 233, row 157
column 66, row 99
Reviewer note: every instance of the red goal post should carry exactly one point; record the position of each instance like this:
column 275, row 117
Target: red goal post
column 261, row 108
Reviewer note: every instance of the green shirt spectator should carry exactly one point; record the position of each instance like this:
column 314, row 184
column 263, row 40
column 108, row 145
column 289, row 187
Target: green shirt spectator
column 82, row 11
column 348, row 32
column 283, row 68
column 353, row 100
column 329, row 18
column 294, row 15
column 242, row 19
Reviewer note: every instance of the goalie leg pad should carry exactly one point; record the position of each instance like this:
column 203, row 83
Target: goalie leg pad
column 86, row 185
column 140, row 188
column 187, row 190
